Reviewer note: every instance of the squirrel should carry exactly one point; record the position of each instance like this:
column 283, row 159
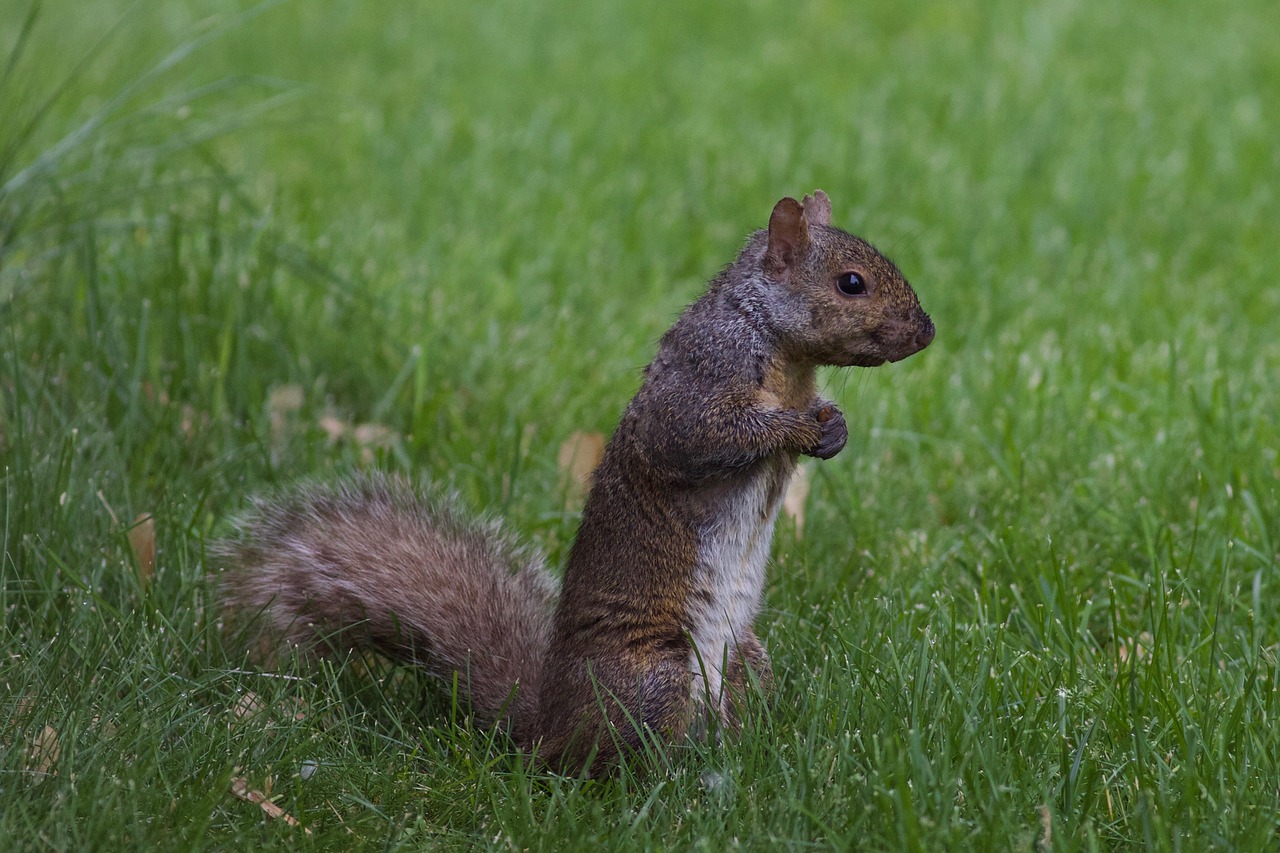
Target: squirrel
column 650, row 635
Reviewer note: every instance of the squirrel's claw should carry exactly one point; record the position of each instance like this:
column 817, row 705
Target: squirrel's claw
column 834, row 432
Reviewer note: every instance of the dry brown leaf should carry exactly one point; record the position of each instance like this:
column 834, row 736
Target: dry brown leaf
column 153, row 396
column 142, row 542
column 797, row 496
column 286, row 399
column 374, row 435
column 240, row 788
column 1045, row 841
column 247, row 705
column 579, row 455
column 44, row 752
column 115, row 520
column 334, row 428
column 283, row 401
column 1136, row 647
column 192, row 419
column 105, row 729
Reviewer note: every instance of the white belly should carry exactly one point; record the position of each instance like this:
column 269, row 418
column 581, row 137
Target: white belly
column 731, row 566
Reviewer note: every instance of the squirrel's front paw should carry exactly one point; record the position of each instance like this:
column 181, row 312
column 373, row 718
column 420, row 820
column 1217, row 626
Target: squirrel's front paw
column 834, row 432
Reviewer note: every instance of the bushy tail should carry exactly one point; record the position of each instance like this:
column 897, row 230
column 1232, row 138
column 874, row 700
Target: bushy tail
column 373, row 562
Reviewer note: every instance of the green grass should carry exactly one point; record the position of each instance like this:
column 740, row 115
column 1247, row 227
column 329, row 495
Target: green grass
column 1036, row 599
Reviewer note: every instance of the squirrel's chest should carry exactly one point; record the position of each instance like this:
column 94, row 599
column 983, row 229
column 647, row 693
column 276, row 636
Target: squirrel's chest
column 729, row 576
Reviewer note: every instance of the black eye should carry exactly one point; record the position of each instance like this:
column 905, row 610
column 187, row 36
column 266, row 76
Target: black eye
column 851, row 284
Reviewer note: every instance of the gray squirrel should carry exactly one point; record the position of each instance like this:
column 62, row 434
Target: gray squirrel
column 651, row 632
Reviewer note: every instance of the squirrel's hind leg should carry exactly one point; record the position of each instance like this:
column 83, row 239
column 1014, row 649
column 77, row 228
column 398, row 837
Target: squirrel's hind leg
column 750, row 673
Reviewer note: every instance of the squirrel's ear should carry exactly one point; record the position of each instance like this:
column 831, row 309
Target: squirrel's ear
column 817, row 208
column 788, row 237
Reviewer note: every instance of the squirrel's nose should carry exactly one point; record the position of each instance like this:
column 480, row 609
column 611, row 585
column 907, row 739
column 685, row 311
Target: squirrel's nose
column 925, row 336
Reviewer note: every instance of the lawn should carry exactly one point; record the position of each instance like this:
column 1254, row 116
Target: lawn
column 1034, row 602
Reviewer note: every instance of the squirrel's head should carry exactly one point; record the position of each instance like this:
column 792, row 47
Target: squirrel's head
column 844, row 303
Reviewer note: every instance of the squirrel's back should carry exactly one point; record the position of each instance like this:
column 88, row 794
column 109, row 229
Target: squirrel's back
column 374, row 561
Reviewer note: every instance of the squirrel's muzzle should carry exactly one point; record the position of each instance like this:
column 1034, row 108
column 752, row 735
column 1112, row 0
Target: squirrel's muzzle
column 911, row 337
column 924, row 337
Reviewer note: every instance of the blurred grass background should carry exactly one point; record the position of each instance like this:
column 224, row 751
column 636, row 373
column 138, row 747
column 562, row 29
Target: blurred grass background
column 1034, row 601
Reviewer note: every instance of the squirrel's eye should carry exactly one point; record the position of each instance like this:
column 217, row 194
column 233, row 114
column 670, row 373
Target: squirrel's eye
column 851, row 284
